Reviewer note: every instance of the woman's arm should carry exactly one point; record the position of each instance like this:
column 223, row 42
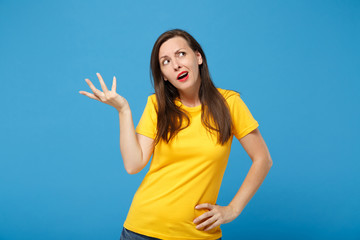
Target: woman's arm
column 257, row 150
column 255, row 146
column 135, row 149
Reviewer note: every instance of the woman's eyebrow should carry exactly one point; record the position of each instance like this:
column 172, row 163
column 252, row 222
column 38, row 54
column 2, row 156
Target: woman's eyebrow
column 175, row 52
column 179, row 50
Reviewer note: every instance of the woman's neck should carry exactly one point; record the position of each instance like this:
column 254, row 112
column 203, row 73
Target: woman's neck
column 190, row 99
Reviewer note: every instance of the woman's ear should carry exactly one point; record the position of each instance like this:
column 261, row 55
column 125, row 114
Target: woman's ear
column 199, row 57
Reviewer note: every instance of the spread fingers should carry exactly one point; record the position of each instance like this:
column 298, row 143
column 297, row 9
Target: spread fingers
column 96, row 92
column 90, row 95
column 102, row 83
column 113, row 88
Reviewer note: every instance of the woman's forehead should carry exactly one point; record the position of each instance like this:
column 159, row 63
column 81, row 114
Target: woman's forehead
column 172, row 45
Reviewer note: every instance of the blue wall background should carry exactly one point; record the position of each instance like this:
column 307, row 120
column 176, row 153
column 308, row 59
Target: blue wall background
column 296, row 64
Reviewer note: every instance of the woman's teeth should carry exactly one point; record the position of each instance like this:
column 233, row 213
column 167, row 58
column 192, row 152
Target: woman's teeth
column 183, row 75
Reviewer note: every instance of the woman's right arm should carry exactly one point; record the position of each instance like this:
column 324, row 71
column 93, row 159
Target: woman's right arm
column 136, row 149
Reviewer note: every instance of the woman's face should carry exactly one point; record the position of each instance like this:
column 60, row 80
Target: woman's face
column 179, row 64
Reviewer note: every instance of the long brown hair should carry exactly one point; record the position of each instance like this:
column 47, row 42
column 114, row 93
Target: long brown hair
column 215, row 114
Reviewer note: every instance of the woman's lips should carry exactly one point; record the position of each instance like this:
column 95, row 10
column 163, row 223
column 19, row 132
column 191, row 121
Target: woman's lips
column 184, row 73
column 183, row 79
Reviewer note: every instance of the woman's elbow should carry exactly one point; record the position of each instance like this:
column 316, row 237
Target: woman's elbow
column 270, row 162
column 132, row 170
column 264, row 161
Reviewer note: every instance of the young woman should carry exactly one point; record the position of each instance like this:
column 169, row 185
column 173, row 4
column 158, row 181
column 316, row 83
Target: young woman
column 187, row 127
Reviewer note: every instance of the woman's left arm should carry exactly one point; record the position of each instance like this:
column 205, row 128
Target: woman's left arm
column 256, row 148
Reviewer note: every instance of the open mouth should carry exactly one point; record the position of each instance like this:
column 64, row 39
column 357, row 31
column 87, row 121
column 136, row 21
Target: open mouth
column 183, row 76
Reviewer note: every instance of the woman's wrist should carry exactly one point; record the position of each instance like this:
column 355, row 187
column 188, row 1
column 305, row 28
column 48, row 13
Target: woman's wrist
column 236, row 210
column 124, row 109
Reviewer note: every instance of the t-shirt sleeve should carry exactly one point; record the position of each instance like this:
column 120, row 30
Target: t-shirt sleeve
column 148, row 121
column 243, row 121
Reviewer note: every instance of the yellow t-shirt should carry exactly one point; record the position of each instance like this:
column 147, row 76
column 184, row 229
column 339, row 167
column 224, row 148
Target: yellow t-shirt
column 183, row 173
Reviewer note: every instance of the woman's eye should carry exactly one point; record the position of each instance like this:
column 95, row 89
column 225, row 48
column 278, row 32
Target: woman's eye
column 181, row 54
column 165, row 62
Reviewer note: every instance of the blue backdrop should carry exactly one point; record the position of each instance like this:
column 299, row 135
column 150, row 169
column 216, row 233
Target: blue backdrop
column 295, row 63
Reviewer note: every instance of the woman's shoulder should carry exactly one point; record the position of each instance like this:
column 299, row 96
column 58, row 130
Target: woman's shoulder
column 152, row 98
column 226, row 93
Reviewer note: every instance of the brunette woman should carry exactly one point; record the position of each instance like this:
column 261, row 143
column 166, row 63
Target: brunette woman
column 187, row 127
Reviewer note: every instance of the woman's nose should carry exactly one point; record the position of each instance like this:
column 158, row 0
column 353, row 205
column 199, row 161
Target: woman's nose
column 176, row 65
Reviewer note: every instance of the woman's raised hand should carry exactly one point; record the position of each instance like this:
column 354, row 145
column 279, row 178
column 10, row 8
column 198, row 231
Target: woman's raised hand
column 109, row 97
